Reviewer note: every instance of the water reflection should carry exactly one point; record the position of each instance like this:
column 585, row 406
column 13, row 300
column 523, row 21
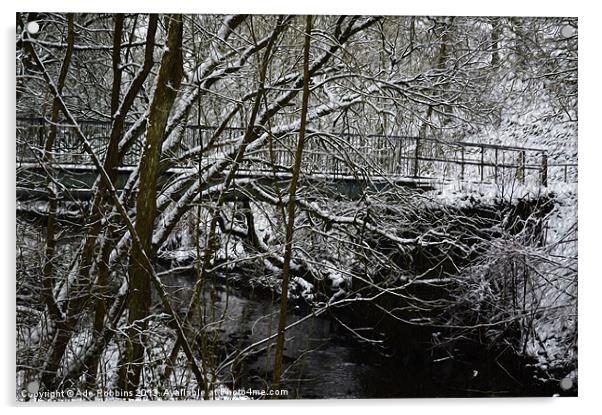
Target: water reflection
column 324, row 360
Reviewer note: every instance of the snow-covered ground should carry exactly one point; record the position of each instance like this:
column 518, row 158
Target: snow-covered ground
column 554, row 341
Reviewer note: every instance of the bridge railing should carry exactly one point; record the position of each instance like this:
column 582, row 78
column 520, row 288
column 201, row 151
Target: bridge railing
column 68, row 148
column 413, row 157
column 563, row 172
column 328, row 154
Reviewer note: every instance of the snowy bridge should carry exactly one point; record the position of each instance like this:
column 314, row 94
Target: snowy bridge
column 333, row 157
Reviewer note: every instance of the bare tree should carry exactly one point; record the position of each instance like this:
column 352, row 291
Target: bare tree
column 378, row 103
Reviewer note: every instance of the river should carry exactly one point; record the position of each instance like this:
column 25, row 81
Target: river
column 325, row 360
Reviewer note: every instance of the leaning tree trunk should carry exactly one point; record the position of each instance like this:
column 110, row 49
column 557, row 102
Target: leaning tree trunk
column 47, row 272
column 211, row 239
column 78, row 295
column 54, row 310
column 288, row 247
column 168, row 83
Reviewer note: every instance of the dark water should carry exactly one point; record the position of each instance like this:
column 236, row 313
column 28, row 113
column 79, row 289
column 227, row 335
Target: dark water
column 324, row 360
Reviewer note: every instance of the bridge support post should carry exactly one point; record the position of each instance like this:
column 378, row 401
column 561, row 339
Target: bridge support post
column 520, row 170
column 416, row 158
column 496, row 165
column 543, row 173
column 462, row 165
column 482, row 163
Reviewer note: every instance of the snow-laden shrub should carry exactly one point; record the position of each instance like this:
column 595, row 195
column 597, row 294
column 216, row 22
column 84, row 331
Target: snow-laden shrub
column 522, row 292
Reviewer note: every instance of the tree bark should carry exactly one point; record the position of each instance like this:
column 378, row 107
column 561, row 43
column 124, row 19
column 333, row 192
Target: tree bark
column 168, row 83
column 288, row 248
column 212, row 242
column 54, row 309
column 79, row 291
column 47, row 280
column 110, row 164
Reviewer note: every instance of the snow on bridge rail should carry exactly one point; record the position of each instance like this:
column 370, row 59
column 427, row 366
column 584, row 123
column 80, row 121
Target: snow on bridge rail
column 328, row 155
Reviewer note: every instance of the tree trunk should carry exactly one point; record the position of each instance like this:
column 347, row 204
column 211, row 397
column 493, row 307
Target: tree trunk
column 288, row 248
column 79, row 291
column 495, row 39
column 110, row 165
column 47, row 271
column 168, row 83
column 54, row 310
column 211, row 239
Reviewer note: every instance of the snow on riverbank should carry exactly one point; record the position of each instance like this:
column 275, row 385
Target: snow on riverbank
column 550, row 327
column 554, row 341
column 461, row 194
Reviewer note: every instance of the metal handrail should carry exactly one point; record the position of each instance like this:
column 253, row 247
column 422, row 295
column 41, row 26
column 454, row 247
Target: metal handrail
column 408, row 156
